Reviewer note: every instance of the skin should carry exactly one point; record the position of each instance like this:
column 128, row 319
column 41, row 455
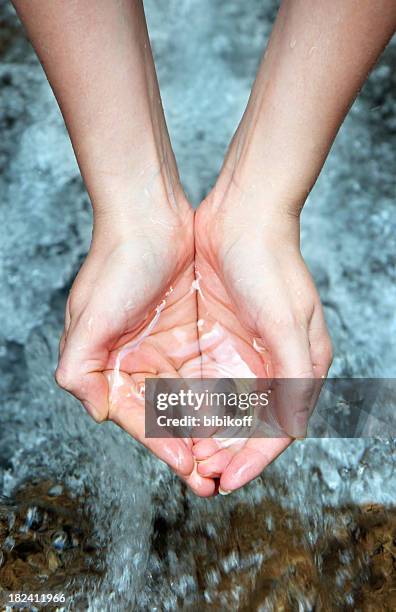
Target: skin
column 247, row 230
column 142, row 244
column 251, row 287
column 107, row 349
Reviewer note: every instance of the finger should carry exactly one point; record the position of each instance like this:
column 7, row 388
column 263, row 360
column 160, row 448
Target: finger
column 201, row 486
column 320, row 343
column 83, row 359
column 67, row 316
column 205, row 448
column 215, row 465
column 289, row 348
column 288, row 345
column 250, row 461
column 173, row 451
column 62, row 342
column 127, row 410
column 291, row 405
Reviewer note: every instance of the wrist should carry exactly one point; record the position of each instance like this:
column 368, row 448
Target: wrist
column 135, row 185
column 273, row 175
column 164, row 225
column 254, row 210
column 154, row 198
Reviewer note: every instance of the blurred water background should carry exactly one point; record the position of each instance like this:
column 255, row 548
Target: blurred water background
column 162, row 548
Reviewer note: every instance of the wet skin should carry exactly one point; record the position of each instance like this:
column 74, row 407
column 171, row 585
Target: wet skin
column 197, row 307
column 201, row 304
column 260, row 317
column 106, row 351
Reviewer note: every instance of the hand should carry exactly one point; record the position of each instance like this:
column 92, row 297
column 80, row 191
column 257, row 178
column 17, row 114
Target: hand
column 261, row 317
column 131, row 314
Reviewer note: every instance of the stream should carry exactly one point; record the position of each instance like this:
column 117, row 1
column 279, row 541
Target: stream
column 84, row 509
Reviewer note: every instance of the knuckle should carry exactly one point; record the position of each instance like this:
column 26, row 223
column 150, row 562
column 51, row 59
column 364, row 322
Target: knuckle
column 64, row 378
column 284, row 324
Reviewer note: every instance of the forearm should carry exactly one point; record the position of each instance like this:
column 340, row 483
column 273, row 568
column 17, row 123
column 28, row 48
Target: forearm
column 98, row 60
column 318, row 57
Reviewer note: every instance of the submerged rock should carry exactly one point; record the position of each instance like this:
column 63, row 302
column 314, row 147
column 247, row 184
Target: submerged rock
column 44, row 543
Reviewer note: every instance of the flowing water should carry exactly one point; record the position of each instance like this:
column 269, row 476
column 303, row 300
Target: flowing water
column 87, row 509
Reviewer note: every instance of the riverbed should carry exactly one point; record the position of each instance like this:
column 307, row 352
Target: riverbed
column 319, row 525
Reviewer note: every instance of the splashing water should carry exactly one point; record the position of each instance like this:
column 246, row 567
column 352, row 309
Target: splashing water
column 302, row 530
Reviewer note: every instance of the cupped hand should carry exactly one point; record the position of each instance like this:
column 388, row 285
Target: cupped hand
column 131, row 314
column 239, row 303
column 260, row 316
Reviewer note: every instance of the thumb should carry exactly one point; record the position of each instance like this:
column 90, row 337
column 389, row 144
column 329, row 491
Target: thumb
column 294, row 377
column 82, row 363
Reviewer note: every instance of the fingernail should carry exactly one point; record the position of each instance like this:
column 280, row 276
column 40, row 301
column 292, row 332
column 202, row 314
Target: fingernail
column 223, row 492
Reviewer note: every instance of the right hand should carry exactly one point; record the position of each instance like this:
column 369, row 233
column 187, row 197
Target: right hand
column 111, row 313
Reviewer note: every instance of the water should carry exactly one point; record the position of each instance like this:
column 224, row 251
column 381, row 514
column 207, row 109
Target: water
column 160, row 545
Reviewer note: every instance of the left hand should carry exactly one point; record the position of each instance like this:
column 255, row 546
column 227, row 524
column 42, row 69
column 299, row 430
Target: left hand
column 261, row 317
